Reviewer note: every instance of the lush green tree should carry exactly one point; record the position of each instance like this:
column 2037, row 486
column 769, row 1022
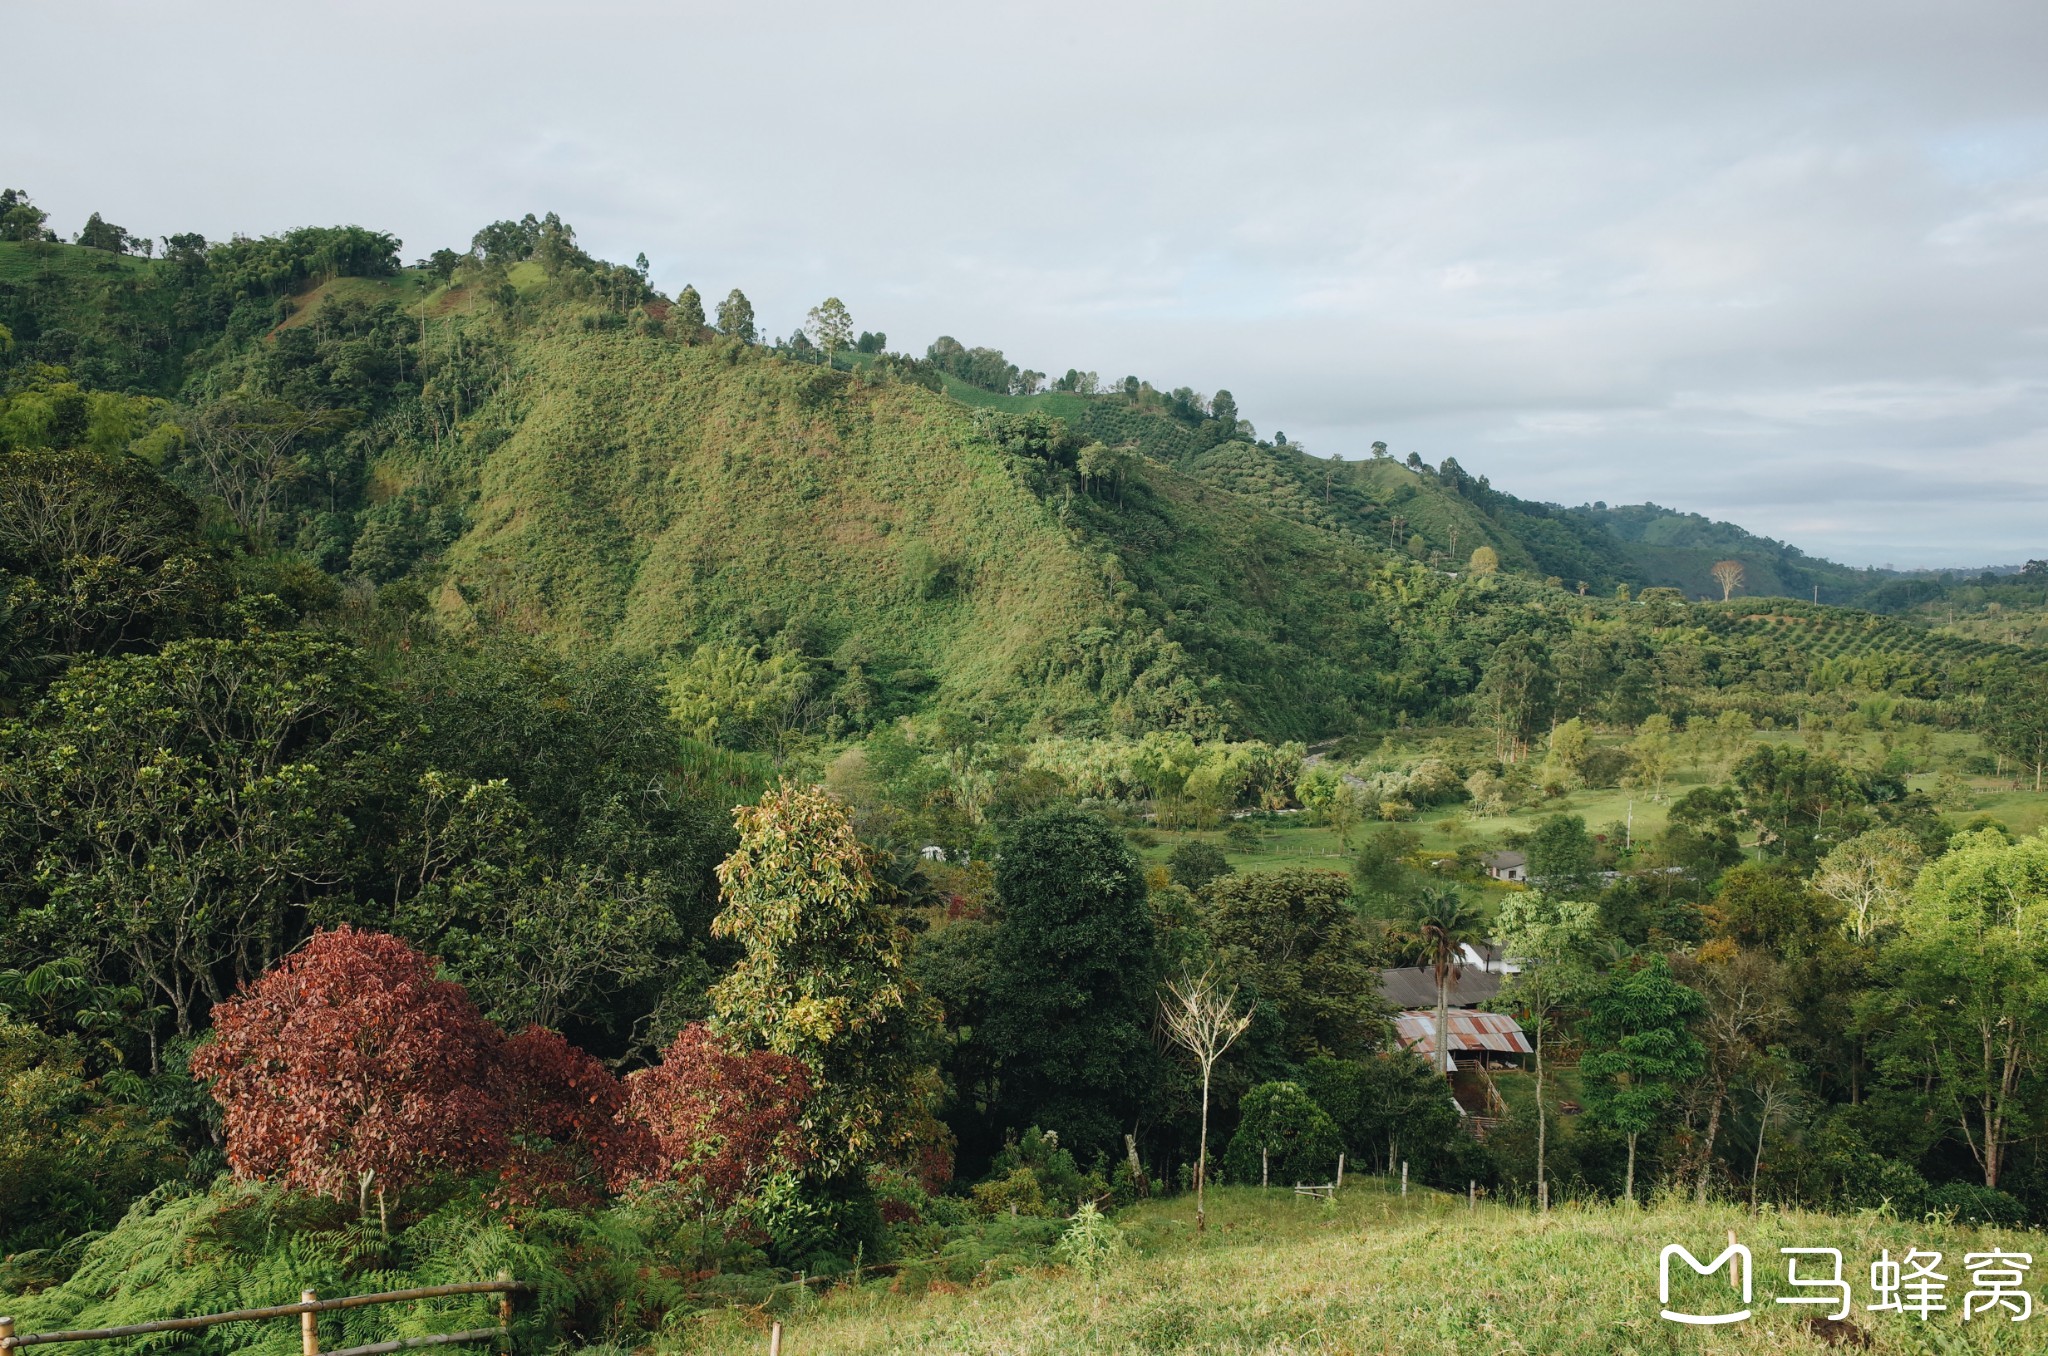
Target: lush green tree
column 1293, row 942
column 2016, row 719
column 1516, row 692
column 249, row 448
column 1556, row 942
column 1485, row 560
column 736, row 317
column 1962, row 1009
column 831, row 325
column 98, row 554
column 103, row 235
column 74, row 1150
column 1771, row 909
column 21, row 219
column 822, row 978
column 537, row 940
column 686, row 316
column 1389, row 1108
column 1196, row 862
column 1282, row 1135
column 1801, row 803
column 1703, row 834
column 1380, row 873
column 1072, row 983
column 1640, row 1051
column 1561, row 858
column 736, row 696
column 178, row 811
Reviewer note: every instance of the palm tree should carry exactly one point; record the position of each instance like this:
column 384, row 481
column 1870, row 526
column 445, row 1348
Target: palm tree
column 1444, row 922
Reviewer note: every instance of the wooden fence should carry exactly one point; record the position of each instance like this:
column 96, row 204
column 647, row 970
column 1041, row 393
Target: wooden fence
column 308, row 1310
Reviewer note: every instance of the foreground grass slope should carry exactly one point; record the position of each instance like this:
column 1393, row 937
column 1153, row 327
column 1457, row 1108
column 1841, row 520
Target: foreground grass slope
column 1376, row 1273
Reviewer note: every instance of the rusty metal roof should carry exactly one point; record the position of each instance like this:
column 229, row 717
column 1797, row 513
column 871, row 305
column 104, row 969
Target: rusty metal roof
column 1470, row 1032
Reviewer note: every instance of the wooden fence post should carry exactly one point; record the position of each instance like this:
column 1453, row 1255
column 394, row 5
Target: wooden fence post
column 6, row 1329
column 1340, row 1169
column 505, row 1315
column 1404, row 1177
column 1265, row 1171
column 309, row 1326
column 775, row 1340
column 1471, row 1194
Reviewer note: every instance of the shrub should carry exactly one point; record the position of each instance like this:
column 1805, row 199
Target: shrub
column 715, row 1119
column 1018, row 1193
column 1299, row 1141
column 1196, row 862
column 1090, row 1241
column 1974, row 1203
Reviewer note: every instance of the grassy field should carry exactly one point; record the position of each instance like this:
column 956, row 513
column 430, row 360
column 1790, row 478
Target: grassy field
column 20, row 262
column 1373, row 1272
column 406, row 289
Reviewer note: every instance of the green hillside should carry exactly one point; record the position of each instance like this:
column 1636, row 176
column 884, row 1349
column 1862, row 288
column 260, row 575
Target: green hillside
column 654, row 496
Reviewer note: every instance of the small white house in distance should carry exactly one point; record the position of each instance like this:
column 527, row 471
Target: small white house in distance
column 1506, row 865
column 1488, row 957
column 933, row 853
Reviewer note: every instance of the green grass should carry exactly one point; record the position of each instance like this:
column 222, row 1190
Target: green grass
column 1373, row 1272
column 1286, row 845
column 408, row 288
column 20, row 262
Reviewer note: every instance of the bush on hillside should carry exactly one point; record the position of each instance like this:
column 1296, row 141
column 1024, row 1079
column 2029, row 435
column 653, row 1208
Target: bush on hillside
column 1282, row 1136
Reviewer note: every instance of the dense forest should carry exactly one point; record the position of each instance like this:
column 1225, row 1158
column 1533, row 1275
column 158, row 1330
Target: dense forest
column 501, row 767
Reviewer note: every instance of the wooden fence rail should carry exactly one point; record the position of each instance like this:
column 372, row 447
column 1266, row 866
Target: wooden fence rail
column 306, row 1309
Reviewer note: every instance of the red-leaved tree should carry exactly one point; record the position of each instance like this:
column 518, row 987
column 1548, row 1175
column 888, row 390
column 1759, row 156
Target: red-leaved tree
column 716, row 1119
column 562, row 1109
column 352, row 1067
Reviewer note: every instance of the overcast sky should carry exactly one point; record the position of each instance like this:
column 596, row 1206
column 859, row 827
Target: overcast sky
column 1784, row 263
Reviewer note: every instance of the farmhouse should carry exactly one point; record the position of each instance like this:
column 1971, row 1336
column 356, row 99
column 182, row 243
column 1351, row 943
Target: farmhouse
column 1478, row 1039
column 1506, row 865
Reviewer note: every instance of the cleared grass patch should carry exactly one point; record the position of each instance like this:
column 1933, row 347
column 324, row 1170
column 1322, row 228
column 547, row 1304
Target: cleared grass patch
column 1372, row 1272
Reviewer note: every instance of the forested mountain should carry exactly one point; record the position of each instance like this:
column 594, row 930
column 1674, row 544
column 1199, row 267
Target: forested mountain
column 530, row 433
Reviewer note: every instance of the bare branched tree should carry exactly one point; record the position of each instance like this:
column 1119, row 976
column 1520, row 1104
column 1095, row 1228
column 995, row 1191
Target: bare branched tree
column 1729, row 575
column 1202, row 1019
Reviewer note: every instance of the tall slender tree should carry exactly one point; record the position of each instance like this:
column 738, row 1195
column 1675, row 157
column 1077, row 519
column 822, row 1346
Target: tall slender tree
column 736, row 317
column 1444, row 922
column 1640, row 1049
